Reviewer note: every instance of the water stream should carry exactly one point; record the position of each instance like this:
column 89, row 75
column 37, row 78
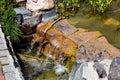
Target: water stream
column 41, row 68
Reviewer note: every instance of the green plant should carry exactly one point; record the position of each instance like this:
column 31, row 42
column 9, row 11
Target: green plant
column 67, row 7
column 9, row 25
column 100, row 6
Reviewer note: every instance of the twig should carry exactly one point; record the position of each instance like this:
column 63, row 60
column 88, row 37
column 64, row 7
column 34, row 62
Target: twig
column 44, row 35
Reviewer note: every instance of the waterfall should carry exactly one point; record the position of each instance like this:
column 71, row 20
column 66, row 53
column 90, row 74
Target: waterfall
column 31, row 47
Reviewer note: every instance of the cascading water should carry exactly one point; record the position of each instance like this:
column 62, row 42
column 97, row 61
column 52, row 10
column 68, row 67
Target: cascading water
column 31, row 47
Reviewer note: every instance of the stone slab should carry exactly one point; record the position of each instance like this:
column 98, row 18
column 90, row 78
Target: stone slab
column 64, row 27
column 4, row 53
column 100, row 48
column 83, row 37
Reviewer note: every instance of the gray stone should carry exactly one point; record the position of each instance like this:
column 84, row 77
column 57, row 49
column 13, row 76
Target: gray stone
column 8, row 68
column 4, row 53
column 11, row 76
column 6, row 60
column 12, row 73
column 89, row 73
column 48, row 15
column 3, row 47
column 32, row 21
column 77, row 64
column 114, row 73
column 2, row 41
column 23, row 11
column 84, row 70
column 100, row 70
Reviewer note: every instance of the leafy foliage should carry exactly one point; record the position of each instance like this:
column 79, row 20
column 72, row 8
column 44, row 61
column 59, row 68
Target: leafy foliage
column 67, row 7
column 9, row 25
column 99, row 6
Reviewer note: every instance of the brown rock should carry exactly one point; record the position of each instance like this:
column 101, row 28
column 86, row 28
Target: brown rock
column 59, row 46
column 64, row 27
column 27, row 30
column 83, row 37
column 98, row 48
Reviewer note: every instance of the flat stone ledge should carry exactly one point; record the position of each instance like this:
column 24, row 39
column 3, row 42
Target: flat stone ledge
column 64, row 27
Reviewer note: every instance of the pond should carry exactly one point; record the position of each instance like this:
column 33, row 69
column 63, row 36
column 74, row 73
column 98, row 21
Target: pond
column 108, row 24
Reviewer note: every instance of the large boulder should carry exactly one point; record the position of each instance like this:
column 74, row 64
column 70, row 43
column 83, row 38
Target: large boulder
column 99, row 48
column 85, row 70
column 114, row 73
column 35, row 5
column 75, row 73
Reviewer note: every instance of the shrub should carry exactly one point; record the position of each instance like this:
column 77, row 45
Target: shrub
column 67, row 7
column 100, row 6
column 9, row 25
